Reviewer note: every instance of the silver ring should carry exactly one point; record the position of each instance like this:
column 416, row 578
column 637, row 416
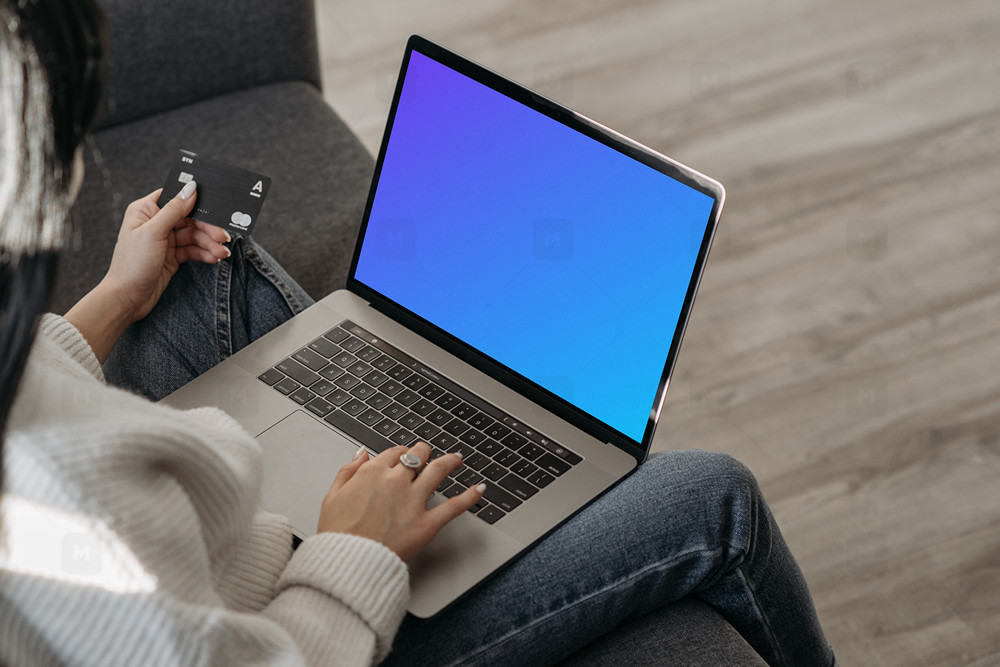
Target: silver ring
column 411, row 461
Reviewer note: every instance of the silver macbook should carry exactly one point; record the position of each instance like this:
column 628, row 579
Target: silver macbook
column 519, row 290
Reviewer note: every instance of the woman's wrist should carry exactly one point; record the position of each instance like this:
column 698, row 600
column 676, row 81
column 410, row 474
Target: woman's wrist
column 102, row 316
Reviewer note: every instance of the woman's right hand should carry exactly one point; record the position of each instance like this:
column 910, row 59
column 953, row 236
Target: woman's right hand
column 382, row 500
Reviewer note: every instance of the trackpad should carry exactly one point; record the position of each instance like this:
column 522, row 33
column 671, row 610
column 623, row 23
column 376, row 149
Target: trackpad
column 301, row 458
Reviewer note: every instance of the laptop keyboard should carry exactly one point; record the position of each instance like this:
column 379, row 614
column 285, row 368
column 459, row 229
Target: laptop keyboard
column 382, row 397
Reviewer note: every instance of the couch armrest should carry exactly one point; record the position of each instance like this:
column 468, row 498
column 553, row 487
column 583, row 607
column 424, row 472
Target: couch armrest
column 166, row 54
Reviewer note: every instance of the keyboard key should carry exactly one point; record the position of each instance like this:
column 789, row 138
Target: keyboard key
column 375, row 378
column 399, row 372
column 383, row 363
column 481, row 421
column 394, row 411
column 336, row 334
column 463, row 410
column 391, row 388
column 456, row 427
column 552, row 464
column 439, row 418
column 379, row 401
column 270, row 376
column 431, row 391
column 338, row 397
column 525, row 469
column 368, row 353
column 531, row 451
column 370, row 417
column 297, row 372
column 480, row 504
column 415, row 381
column 347, row 381
column 474, row 438
column 494, row 471
column 445, row 483
column 423, row 407
column 331, row 372
column 354, row 407
column 387, row 427
column 447, row 401
column 491, row 514
column 322, row 388
column 402, row 437
column 507, row 458
column 407, row 397
column 518, row 486
column 515, row 441
column 469, row 478
column 565, row 454
column 540, row 478
column 302, row 396
column 319, row 407
column 363, row 391
column 498, row 431
column 324, row 347
column 344, row 359
column 360, row 369
column 427, row 430
column 501, row 498
column 462, row 448
column 358, row 431
column 477, row 461
column 436, row 454
column 411, row 420
column 311, row 360
column 454, row 490
column 444, row 441
column 352, row 344
column 287, row 386
column 490, row 447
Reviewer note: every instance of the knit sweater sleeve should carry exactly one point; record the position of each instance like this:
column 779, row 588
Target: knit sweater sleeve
column 190, row 571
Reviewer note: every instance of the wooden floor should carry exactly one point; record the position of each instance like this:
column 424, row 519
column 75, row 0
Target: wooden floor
column 846, row 340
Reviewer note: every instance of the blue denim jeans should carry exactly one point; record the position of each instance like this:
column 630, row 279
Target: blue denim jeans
column 685, row 523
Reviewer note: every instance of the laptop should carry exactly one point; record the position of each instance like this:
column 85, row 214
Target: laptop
column 519, row 290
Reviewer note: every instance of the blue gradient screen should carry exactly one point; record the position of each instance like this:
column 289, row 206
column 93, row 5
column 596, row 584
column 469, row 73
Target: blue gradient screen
column 558, row 256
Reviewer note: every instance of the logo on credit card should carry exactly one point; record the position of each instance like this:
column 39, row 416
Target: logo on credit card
column 241, row 220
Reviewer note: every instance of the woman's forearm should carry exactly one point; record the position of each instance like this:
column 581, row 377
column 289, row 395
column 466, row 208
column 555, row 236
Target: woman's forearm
column 101, row 317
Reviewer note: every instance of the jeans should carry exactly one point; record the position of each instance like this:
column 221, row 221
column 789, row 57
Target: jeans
column 685, row 523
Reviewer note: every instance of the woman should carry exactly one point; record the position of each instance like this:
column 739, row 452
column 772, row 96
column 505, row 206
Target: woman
column 131, row 531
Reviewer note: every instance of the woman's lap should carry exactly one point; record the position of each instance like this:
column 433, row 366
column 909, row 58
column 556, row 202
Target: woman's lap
column 207, row 313
column 685, row 523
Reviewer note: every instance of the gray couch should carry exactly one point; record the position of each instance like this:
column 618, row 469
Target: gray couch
column 239, row 80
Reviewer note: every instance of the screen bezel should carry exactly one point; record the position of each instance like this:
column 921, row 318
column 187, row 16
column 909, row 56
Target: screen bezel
column 484, row 363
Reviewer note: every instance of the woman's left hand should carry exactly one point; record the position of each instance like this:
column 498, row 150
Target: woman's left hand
column 152, row 244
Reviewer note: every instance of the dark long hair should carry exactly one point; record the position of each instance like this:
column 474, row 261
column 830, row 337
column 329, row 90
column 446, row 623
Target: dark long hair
column 51, row 81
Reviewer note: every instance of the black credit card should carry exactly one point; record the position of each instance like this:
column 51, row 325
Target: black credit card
column 227, row 196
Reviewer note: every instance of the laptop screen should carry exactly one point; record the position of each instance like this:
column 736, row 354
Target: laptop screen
column 557, row 256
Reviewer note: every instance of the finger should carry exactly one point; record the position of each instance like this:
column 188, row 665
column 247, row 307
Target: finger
column 435, row 472
column 345, row 474
column 453, row 507
column 174, row 212
column 147, row 205
column 192, row 253
column 217, row 234
column 390, row 457
column 191, row 235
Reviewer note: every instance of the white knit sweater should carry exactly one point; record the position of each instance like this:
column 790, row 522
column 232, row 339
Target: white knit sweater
column 132, row 535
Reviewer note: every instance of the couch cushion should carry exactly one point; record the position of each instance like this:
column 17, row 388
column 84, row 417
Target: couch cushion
column 688, row 632
column 320, row 176
column 165, row 55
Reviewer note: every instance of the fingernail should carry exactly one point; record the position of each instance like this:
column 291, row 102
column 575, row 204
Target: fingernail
column 360, row 451
column 482, row 488
column 458, row 454
column 188, row 190
column 229, row 237
column 229, row 253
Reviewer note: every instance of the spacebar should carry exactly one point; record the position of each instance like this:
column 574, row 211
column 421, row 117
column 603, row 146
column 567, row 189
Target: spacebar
column 358, row 431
